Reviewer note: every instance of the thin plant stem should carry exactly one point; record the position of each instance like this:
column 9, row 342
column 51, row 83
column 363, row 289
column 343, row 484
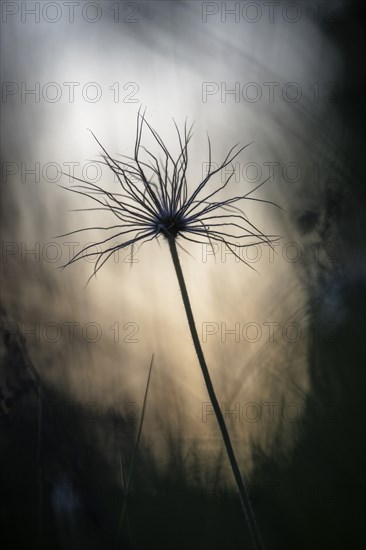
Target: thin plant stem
column 134, row 454
column 39, row 467
column 246, row 505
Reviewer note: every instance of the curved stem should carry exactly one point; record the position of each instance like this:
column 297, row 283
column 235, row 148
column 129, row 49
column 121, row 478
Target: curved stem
column 246, row 505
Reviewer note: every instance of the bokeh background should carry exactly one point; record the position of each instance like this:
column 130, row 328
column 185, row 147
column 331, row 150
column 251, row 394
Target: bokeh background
column 76, row 358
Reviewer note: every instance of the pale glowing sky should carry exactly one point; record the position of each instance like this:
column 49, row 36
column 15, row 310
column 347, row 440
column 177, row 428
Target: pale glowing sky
column 168, row 55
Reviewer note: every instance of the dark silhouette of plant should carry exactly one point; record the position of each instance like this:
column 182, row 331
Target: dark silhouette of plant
column 153, row 201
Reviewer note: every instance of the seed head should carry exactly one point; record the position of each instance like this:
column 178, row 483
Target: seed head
column 152, row 201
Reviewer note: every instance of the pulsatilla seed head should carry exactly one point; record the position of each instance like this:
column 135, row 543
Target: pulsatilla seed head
column 170, row 225
column 152, row 200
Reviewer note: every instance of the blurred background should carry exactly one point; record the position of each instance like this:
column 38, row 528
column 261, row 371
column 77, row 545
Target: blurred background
column 283, row 342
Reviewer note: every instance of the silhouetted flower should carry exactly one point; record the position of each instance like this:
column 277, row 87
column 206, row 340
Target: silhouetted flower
column 153, row 201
